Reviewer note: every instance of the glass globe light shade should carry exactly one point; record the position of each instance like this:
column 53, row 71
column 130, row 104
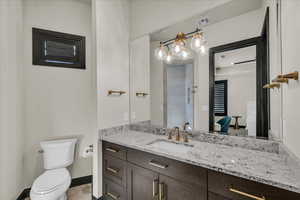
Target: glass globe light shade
column 177, row 47
column 203, row 48
column 186, row 54
column 197, row 42
column 169, row 58
column 161, row 52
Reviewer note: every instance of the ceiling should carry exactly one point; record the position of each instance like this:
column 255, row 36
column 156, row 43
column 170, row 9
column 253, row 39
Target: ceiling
column 220, row 13
column 230, row 58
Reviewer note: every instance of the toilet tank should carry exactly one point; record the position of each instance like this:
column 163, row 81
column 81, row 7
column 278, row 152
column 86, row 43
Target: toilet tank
column 58, row 153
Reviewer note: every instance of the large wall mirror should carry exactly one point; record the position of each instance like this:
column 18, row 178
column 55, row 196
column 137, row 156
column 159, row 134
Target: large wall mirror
column 205, row 73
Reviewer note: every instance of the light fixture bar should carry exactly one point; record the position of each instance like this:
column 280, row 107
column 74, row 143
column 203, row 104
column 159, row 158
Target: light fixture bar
column 187, row 35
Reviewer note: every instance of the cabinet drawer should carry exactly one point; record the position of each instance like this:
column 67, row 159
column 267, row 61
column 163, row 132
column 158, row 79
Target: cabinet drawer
column 177, row 170
column 212, row 196
column 112, row 191
column 114, row 150
column 236, row 188
column 114, row 169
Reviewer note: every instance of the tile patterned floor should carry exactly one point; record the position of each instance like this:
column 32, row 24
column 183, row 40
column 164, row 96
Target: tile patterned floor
column 82, row 192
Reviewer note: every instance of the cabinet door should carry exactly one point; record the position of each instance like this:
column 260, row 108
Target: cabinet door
column 171, row 189
column 113, row 191
column 212, row 196
column 142, row 184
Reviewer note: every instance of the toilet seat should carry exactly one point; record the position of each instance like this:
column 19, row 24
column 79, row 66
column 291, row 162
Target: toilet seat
column 51, row 184
column 50, row 180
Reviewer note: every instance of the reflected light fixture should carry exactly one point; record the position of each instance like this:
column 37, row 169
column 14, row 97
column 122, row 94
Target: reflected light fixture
column 169, row 58
column 161, row 52
column 178, row 49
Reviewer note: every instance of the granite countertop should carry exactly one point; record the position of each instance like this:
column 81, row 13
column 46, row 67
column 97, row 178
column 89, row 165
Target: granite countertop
column 276, row 169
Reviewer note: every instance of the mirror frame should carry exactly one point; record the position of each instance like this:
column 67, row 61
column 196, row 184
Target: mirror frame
column 262, row 78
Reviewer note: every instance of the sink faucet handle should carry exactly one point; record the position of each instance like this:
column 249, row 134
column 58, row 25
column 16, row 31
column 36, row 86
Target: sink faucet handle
column 177, row 133
column 185, row 137
column 170, row 133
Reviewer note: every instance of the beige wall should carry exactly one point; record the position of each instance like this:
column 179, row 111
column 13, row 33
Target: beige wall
column 12, row 134
column 59, row 102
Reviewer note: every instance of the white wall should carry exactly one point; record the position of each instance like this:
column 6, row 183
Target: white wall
column 112, row 34
column 241, row 89
column 275, row 69
column 59, row 102
column 150, row 16
column 238, row 28
column 139, row 79
column 12, row 134
column 291, row 63
column 156, row 87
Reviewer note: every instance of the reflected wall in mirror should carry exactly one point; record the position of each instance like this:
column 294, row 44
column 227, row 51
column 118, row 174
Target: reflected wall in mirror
column 179, row 86
column 235, row 92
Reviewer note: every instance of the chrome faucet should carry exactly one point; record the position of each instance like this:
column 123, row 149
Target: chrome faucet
column 185, row 125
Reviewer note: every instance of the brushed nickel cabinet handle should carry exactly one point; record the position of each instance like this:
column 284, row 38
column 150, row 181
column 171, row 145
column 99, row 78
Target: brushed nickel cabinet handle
column 154, row 189
column 111, row 150
column 161, row 191
column 113, row 196
column 157, row 164
column 115, row 171
column 246, row 194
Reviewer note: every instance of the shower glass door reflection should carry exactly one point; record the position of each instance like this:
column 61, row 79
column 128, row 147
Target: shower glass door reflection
column 179, row 94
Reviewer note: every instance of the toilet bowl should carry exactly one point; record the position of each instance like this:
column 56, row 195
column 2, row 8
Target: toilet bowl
column 55, row 181
column 51, row 185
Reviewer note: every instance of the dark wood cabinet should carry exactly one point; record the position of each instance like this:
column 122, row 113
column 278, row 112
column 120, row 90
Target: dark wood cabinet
column 114, row 169
column 113, row 191
column 141, row 183
column 136, row 175
column 171, row 189
column 213, row 196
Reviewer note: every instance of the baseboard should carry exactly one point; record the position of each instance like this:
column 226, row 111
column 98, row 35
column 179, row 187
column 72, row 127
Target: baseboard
column 24, row 194
column 75, row 182
column 81, row 181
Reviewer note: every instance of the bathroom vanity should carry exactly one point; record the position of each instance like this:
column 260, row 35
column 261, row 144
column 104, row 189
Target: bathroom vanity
column 146, row 166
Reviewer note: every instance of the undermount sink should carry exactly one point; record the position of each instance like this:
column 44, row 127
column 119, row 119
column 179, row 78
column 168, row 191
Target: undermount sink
column 171, row 146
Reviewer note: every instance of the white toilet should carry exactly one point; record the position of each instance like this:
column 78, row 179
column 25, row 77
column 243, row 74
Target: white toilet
column 55, row 181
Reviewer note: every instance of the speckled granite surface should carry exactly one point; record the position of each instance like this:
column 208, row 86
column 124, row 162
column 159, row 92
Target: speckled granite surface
column 215, row 138
column 276, row 169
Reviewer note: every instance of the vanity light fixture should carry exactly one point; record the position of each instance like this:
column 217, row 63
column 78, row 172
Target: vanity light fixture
column 176, row 48
column 161, row 52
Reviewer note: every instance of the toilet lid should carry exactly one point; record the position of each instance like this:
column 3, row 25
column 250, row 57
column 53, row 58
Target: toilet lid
column 50, row 180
